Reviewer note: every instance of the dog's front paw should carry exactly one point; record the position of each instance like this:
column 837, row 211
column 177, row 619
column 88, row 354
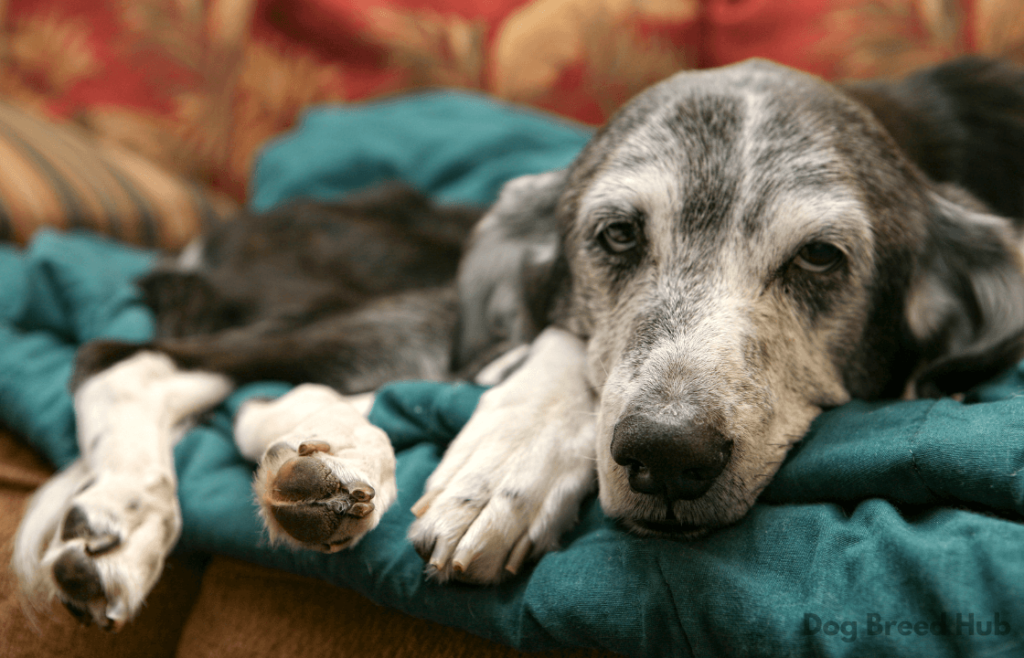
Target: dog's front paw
column 510, row 484
column 325, row 483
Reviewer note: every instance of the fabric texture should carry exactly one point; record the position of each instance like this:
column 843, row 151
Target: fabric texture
column 59, row 176
column 905, row 512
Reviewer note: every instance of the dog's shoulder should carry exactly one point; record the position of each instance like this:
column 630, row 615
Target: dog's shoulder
column 510, row 272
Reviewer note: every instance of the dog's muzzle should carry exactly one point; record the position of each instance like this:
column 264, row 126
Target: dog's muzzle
column 674, row 458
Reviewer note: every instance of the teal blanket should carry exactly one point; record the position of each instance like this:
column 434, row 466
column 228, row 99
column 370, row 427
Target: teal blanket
column 893, row 529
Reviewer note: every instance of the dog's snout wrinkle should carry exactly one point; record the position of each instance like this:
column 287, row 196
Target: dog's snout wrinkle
column 673, row 457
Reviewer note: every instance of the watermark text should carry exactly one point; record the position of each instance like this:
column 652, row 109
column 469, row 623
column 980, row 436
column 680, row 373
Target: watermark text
column 873, row 624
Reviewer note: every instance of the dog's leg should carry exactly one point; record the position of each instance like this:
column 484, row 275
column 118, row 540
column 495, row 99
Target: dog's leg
column 512, row 481
column 326, row 474
column 96, row 536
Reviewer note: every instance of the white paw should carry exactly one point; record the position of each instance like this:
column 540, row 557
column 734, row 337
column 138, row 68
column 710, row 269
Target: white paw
column 111, row 545
column 97, row 534
column 513, row 480
column 97, row 543
column 327, row 476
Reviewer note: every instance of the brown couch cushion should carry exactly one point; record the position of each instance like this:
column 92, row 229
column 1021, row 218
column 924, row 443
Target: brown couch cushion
column 246, row 611
column 56, row 175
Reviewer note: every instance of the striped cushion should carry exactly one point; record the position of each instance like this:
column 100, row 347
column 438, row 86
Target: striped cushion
column 57, row 175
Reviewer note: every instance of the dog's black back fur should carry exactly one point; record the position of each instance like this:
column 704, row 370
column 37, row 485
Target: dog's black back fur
column 350, row 294
column 308, row 259
column 962, row 123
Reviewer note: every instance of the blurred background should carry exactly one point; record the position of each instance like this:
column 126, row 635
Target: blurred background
column 197, row 86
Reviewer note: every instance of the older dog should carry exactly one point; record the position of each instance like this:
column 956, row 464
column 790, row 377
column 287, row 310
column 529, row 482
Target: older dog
column 735, row 251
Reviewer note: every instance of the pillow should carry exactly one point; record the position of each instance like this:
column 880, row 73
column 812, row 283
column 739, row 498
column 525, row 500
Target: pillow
column 56, row 175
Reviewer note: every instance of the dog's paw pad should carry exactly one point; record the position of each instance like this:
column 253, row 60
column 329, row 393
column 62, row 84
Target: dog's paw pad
column 307, row 523
column 81, row 588
column 306, row 504
column 304, row 479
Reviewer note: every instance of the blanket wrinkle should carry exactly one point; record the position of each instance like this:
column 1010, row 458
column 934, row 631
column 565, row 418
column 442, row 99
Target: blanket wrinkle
column 680, row 631
column 913, row 458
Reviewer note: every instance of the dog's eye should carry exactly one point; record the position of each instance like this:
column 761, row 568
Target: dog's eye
column 619, row 237
column 818, row 257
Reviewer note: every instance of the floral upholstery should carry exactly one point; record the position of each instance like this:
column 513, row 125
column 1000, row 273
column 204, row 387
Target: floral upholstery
column 199, row 86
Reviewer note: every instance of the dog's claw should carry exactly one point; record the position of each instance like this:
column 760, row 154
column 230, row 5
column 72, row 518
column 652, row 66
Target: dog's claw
column 309, row 447
column 423, row 504
column 76, row 526
column 360, row 510
column 518, row 555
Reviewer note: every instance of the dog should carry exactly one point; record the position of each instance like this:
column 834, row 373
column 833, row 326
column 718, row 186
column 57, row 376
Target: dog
column 735, row 251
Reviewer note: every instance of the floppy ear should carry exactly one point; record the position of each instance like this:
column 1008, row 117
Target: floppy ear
column 510, row 270
column 966, row 304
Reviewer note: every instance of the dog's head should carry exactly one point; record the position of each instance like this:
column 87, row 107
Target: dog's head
column 742, row 248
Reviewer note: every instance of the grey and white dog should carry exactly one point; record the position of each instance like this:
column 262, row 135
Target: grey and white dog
column 735, row 251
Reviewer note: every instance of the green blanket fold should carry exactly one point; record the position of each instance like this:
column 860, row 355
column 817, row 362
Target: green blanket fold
column 888, row 530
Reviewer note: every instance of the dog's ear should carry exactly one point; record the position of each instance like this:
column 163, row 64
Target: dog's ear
column 966, row 304
column 510, row 270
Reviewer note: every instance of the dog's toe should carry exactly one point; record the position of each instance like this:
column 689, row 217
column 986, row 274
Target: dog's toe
column 76, row 526
column 309, row 447
column 361, row 510
column 362, row 492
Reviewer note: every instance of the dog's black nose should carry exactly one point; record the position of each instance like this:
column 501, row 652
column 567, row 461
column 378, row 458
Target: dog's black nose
column 670, row 456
